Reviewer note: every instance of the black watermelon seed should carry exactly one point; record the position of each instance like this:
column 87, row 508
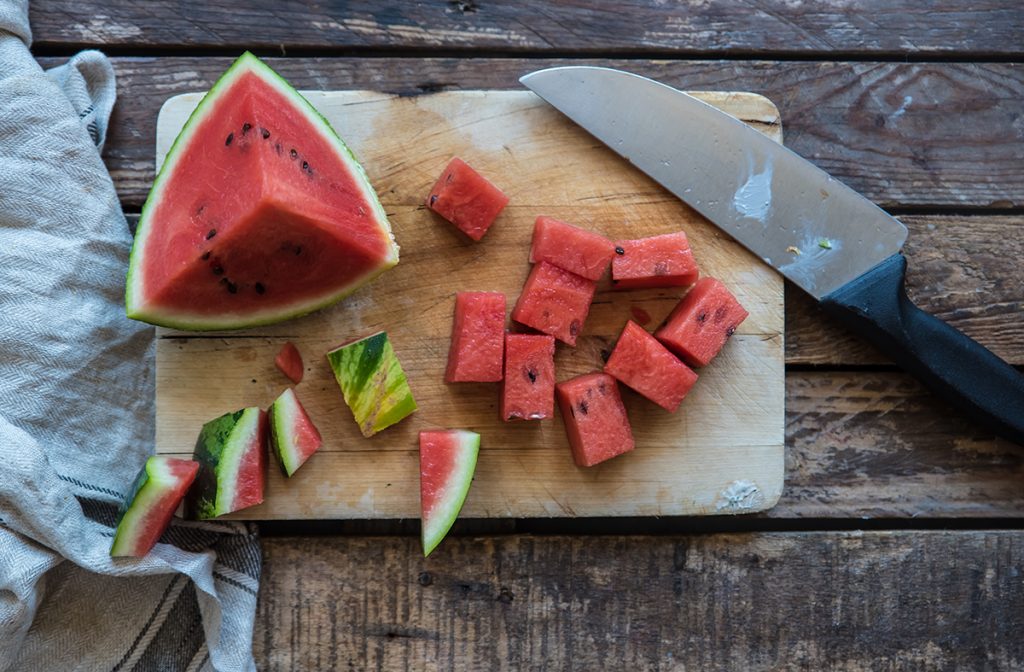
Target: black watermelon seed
column 532, row 375
column 448, row 179
column 260, row 289
column 246, row 127
column 584, row 409
column 619, row 250
column 574, row 327
column 277, row 148
column 433, row 199
column 602, row 388
column 217, row 269
column 702, row 318
column 730, row 331
column 211, row 233
column 232, row 287
column 305, row 165
column 231, row 136
column 206, row 255
column 298, row 250
column 293, row 153
column 425, row 579
column 265, row 133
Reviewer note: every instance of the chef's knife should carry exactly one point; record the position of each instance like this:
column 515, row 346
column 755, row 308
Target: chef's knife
column 829, row 240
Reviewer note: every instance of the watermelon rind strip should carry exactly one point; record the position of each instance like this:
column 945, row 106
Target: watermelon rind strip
column 151, row 486
column 434, row 530
column 372, row 382
column 134, row 306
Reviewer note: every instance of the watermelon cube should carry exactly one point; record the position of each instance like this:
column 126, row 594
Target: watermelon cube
column 702, row 322
column 595, row 419
column 478, row 338
column 658, row 261
column 466, row 199
column 571, row 248
column 529, row 389
column 555, row 301
column 645, row 365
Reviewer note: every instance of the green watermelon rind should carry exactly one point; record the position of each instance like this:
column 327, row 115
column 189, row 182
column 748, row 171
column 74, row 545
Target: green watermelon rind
column 282, row 416
column 434, row 531
column 219, row 451
column 134, row 310
column 372, row 382
column 151, row 484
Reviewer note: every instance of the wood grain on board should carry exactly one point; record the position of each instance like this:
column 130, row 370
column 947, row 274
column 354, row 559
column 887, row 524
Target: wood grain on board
column 722, row 453
column 854, row 601
column 728, row 27
column 935, row 135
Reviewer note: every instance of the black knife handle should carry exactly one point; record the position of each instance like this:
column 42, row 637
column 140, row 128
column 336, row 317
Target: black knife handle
column 957, row 368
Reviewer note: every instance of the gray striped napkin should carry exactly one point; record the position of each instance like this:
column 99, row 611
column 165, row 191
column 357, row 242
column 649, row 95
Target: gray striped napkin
column 76, row 407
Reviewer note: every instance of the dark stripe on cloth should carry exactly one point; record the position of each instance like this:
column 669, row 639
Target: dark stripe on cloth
column 152, row 617
column 179, row 638
column 94, row 488
column 231, row 582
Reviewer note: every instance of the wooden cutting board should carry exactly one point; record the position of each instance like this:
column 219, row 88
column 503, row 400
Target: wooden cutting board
column 722, row 452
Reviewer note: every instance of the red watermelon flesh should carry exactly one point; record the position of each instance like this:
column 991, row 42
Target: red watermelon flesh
column 658, row 261
column 147, row 511
column 595, row 418
column 555, row 302
column 289, row 362
column 702, row 322
column 292, row 435
column 477, row 349
column 570, row 248
column 259, row 213
column 528, row 392
column 645, row 365
column 447, row 463
column 466, row 199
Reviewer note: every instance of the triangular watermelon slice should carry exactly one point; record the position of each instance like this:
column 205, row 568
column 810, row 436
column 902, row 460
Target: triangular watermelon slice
column 447, row 462
column 147, row 510
column 259, row 213
column 293, row 436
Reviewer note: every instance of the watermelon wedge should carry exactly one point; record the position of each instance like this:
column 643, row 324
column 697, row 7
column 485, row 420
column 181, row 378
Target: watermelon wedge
column 232, row 456
column 372, row 381
column 447, row 462
column 149, row 507
column 289, row 362
column 293, row 436
column 259, row 213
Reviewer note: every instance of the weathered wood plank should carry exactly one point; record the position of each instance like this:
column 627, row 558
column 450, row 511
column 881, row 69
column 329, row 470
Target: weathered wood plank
column 965, row 270
column 878, row 445
column 540, row 26
column 925, row 134
column 839, row 601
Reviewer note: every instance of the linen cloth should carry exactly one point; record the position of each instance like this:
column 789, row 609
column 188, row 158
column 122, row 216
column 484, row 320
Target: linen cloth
column 76, row 407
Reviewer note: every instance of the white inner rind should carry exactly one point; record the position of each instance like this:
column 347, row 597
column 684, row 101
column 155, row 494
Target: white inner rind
column 180, row 319
column 453, row 493
column 285, row 412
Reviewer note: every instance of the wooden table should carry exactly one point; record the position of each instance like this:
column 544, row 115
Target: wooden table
column 897, row 543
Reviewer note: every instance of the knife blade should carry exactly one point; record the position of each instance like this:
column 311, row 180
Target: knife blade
column 829, row 240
